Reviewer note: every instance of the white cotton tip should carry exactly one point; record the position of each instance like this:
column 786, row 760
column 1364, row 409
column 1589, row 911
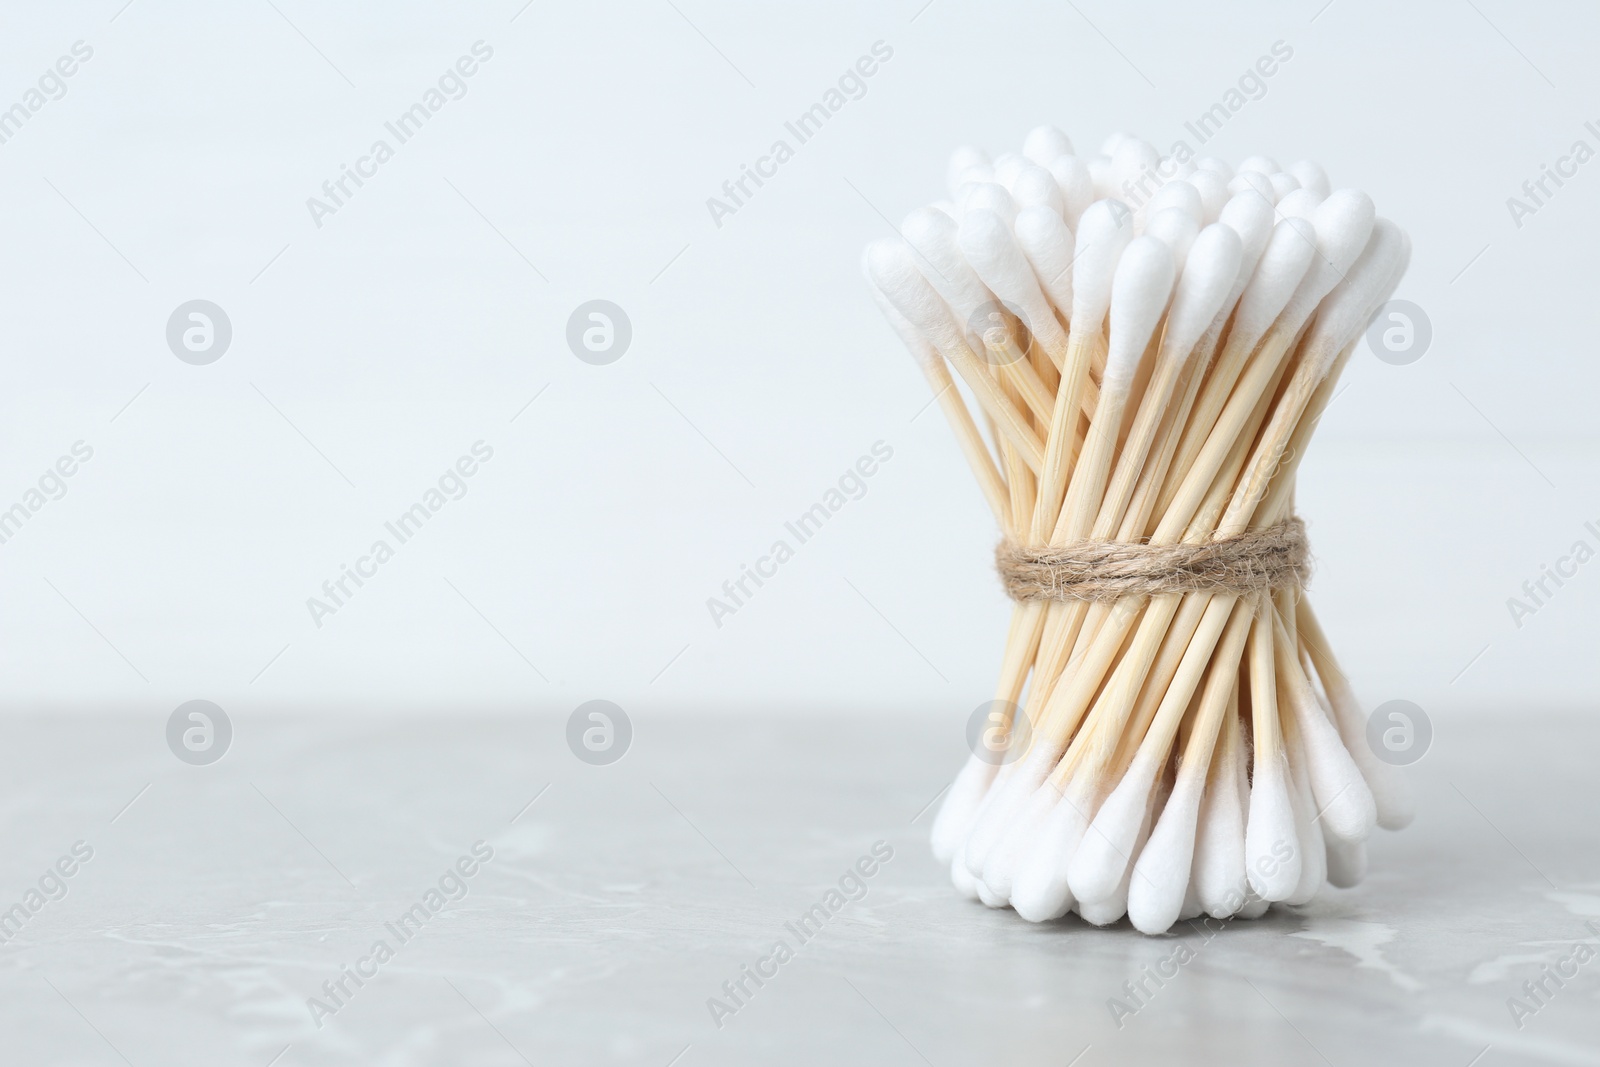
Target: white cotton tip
column 1027, row 823
column 968, row 182
column 1390, row 791
column 1253, row 179
column 1254, row 908
column 1175, row 228
column 1139, row 294
column 1048, row 244
column 920, row 347
column 1036, row 187
column 1283, row 185
column 990, row 196
column 935, row 241
column 1010, row 792
column 1103, row 232
column 1282, row 267
column 1347, row 862
column 1214, row 195
column 1341, row 794
column 1076, row 184
column 1134, row 161
column 1308, row 831
column 993, row 253
column 1299, row 204
column 1039, row 889
column 1343, row 313
column 1045, row 143
column 1217, row 166
column 1104, row 176
column 1395, row 278
column 1219, row 881
column 891, row 268
column 988, row 896
column 1178, row 193
column 1344, row 223
column 960, row 805
column 966, row 885
column 1248, row 214
column 1207, row 280
column 991, row 797
column 1259, row 164
column 1311, row 176
column 1271, row 846
column 967, row 163
column 1007, row 165
column 1105, row 854
column 1114, row 140
column 1107, row 911
column 1160, row 881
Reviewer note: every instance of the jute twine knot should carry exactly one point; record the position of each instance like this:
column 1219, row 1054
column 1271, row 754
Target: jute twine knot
column 1276, row 557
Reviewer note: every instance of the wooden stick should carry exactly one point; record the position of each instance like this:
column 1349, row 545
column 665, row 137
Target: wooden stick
column 1062, row 441
column 1017, row 373
column 968, row 437
column 1008, row 418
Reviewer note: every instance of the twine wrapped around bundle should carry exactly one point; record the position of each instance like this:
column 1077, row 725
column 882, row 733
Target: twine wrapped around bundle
column 1277, row 557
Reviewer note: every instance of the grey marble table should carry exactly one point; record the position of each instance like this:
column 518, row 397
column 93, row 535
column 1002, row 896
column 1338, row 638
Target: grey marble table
column 219, row 910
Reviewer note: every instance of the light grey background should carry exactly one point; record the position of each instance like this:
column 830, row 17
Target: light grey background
column 370, row 353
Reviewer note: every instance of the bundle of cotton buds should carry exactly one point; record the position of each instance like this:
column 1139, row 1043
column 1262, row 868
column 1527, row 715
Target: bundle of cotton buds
column 1150, row 345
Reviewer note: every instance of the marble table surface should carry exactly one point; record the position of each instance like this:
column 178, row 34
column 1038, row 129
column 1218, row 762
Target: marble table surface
column 209, row 907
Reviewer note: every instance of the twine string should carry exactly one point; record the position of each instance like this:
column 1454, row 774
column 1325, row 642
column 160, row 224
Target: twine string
column 1275, row 557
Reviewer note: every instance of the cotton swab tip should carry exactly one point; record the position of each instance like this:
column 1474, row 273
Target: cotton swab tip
column 1176, row 228
column 1139, row 295
column 1179, row 193
column 1213, row 190
column 1284, row 184
column 1272, row 849
column 1006, row 166
column 1036, row 186
column 1344, row 311
column 1299, row 204
column 1104, row 854
column 1048, row 244
column 1282, row 268
column 1253, row 179
column 1103, row 232
column 1311, row 176
column 1076, row 184
column 989, row 196
column 1161, row 873
column 1207, row 279
column 935, row 238
column 1248, row 214
column 890, row 267
column 1045, row 143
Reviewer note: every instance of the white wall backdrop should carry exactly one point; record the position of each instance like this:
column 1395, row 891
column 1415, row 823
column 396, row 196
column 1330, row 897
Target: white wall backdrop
column 375, row 345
